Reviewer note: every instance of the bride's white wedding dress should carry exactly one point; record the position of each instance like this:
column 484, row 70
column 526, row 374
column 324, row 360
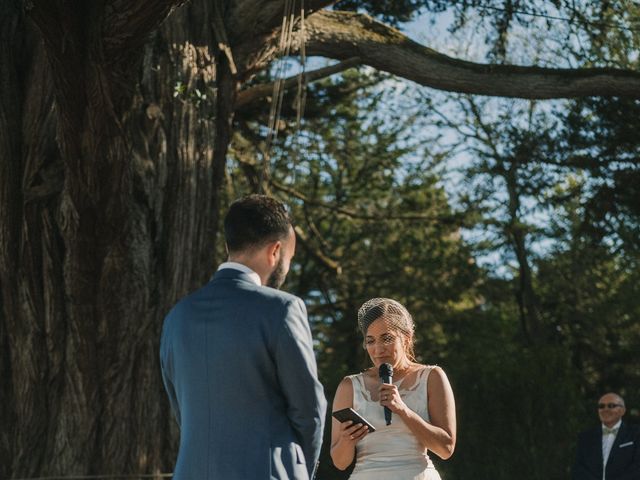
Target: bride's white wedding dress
column 392, row 451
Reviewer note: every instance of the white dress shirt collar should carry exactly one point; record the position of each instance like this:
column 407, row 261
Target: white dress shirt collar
column 617, row 425
column 607, row 444
column 255, row 278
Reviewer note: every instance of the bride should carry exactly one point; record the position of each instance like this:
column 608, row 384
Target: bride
column 420, row 399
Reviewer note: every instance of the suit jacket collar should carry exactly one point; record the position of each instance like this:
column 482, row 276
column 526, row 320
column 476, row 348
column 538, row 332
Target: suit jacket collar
column 232, row 274
column 621, row 437
column 255, row 278
column 622, row 432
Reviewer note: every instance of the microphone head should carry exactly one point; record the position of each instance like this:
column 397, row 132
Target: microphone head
column 385, row 370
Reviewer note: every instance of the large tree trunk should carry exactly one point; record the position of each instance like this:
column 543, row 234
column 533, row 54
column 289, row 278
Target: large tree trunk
column 109, row 201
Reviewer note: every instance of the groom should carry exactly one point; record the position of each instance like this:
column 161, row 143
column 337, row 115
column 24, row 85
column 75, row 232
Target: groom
column 237, row 360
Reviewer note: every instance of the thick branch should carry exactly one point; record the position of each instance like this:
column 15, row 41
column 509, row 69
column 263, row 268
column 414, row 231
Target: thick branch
column 261, row 91
column 250, row 18
column 321, row 257
column 342, row 35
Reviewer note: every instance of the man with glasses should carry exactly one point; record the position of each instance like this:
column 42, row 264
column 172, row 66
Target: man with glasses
column 610, row 451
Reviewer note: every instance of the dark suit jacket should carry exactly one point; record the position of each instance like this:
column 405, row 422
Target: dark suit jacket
column 238, row 365
column 624, row 459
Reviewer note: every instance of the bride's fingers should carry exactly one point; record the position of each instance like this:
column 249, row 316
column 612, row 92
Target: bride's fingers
column 387, row 393
column 359, row 433
column 391, row 398
column 345, row 426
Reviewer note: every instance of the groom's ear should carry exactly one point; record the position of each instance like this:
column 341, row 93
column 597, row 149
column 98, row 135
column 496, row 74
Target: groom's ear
column 274, row 250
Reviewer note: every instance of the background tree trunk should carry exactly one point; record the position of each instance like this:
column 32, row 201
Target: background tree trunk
column 528, row 304
column 109, row 201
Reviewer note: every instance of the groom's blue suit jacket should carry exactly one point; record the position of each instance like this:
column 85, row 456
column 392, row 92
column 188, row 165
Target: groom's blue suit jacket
column 239, row 368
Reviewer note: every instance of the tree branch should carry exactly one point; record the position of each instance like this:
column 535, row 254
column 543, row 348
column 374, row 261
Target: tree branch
column 321, row 257
column 250, row 18
column 342, row 35
column 443, row 219
column 260, row 91
column 221, row 37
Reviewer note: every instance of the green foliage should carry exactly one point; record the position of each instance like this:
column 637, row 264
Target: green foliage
column 591, row 296
column 566, row 179
column 600, row 137
column 553, row 189
column 515, row 405
column 585, row 284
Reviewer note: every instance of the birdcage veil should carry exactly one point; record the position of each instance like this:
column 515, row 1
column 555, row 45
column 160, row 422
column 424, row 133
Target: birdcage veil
column 393, row 313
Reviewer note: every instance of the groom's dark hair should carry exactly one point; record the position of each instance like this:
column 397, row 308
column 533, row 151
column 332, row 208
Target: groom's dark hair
column 254, row 221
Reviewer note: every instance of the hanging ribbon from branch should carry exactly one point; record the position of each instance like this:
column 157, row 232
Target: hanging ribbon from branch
column 285, row 43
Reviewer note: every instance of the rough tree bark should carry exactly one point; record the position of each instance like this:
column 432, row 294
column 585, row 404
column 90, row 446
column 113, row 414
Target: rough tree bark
column 113, row 135
column 108, row 215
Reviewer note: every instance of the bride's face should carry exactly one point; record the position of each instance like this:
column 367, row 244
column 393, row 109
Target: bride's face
column 385, row 344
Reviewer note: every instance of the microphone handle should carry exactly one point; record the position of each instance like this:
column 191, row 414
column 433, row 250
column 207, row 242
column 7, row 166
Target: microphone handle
column 387, row 411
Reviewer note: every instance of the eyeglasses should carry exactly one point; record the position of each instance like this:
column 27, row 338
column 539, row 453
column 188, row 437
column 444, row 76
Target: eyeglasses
column 610, row 406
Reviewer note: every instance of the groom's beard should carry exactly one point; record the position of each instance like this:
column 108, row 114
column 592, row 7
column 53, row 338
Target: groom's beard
column 277, row 277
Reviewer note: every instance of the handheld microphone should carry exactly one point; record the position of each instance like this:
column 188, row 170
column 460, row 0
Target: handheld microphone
column 386, row 375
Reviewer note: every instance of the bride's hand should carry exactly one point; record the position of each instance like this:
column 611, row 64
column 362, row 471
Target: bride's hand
column 352, row 433
column 390, row 397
